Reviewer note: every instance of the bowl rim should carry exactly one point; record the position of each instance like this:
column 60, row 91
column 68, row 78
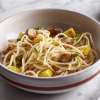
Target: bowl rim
column 53, row 88
column 53, row 10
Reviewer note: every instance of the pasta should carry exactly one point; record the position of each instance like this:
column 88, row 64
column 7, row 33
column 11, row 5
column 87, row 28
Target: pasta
column 49, row 52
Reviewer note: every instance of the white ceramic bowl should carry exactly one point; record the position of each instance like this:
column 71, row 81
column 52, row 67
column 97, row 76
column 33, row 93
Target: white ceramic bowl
column 62, row 18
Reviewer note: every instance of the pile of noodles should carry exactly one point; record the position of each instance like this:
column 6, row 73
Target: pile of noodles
column 62, row 54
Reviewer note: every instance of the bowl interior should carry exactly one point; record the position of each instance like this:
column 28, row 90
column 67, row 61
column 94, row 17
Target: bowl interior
column 10, row 27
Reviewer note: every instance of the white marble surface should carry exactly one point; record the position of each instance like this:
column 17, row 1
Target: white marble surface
column 90, row 7
column 90, row 90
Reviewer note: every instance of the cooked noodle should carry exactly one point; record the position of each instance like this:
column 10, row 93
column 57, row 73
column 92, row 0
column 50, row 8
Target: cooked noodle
column 36, row 51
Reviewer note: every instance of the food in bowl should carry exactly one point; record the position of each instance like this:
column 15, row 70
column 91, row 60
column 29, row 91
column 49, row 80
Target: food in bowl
column 49, row 52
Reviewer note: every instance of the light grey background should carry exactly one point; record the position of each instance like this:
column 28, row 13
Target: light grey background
column 90, row 90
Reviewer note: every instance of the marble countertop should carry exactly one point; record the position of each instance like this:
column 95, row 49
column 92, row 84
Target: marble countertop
column 90, row 90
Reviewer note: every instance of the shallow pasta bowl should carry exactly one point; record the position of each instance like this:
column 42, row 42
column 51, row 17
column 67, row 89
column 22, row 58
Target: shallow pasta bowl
column 44, row 17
